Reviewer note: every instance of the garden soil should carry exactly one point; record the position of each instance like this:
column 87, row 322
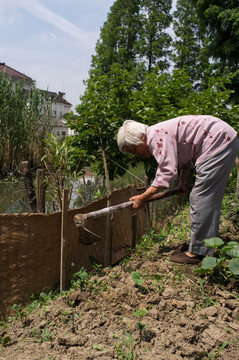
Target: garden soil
column 186, row 318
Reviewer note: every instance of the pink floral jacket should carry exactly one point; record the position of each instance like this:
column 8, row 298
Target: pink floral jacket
column 186, row 141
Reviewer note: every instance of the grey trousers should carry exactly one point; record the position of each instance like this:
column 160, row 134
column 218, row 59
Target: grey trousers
column 206, row 197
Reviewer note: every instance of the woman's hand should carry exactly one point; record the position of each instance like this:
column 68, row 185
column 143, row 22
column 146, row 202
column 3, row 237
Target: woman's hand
column 138, row 202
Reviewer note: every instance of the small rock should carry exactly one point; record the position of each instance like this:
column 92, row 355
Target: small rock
column 235, row 314
column 168, row 293
column 211, row 311
column 154, row 313
column 223, row 294
column 232, row 304
column 43, row 324
column 88, row 306
column 234, row 326
column 154, row 299
column 189, row 306
column 71, row 340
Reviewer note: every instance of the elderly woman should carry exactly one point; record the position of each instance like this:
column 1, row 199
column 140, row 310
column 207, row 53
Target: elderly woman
column 201, row 141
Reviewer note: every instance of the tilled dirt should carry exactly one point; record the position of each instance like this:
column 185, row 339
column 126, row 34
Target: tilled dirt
column 186, row 318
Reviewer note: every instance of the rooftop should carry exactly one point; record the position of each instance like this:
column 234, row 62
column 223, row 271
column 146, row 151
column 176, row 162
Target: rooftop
column 14, row 73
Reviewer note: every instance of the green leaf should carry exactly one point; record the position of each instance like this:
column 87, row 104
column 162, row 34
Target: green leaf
column 97, row 347
column 209, row 262
column 234, row 266
column 6, row 340
column 136, row 276
column 158, row 277
column 94, row 261
column 234, row 251
column 213, row 242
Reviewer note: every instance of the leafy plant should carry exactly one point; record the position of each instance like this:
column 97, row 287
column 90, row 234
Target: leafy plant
column 46, row 336
column 20, row 313
column 63, row 167
column 139, row 324
column 97, row 267
column 24, row 122
column 5, row 339
column 125, row 351
column 43, row 299
column 226, row 265
column 157, row 282
column 137, row 278
column 42, row 337
column 98, row 347
column 80, row 279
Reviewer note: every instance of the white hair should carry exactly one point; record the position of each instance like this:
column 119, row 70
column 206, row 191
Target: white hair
column 130, row 134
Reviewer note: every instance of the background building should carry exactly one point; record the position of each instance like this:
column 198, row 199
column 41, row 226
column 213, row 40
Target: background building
column 59, row 105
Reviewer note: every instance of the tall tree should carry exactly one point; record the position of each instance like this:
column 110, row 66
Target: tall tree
column 154, row 40
column 222, row 20
column 117, row 38
column 103, row 107
column 189, row 50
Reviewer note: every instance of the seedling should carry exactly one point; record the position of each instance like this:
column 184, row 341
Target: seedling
column 128, row 353
column 213, row 357
column 137, row 278
column 20, row 314
column 97, row 267
column 140, row 324
column 80, row 279
column 46, row 336
column 42, row 337
column 4, row 340
column 98, row 347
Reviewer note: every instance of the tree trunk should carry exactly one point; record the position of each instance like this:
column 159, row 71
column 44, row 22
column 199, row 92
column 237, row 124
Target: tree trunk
column 29, row 186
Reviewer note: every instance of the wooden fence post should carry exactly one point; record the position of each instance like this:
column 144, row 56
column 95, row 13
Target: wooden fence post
column 63, row 239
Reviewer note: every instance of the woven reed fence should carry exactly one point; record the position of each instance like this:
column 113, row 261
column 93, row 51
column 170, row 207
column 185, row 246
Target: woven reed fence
column 30, row 247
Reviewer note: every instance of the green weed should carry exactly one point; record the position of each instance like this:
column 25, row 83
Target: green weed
column 41, row 337
column 137, row 278
column 213, row 357
column 139, row 324
column 20, row 313
column 226, row 264
column 80, row 279
column 125, row 350
column 97, row 267
column 4, row 339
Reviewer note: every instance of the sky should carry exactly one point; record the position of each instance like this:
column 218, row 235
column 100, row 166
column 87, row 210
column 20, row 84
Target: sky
column 52, row 41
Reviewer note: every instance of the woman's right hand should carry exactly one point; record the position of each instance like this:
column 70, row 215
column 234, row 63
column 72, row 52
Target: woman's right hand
column 138, row 202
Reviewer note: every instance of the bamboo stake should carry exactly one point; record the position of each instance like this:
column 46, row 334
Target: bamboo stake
column 134, row 230
column 109, row 217
column 63, row 239
column 40, row 191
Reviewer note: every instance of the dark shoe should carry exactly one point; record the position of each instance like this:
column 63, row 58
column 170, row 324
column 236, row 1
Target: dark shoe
column 182, row 258
column 183, row 247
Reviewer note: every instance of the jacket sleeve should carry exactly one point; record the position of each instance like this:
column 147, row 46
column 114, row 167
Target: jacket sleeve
column 164, row 149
